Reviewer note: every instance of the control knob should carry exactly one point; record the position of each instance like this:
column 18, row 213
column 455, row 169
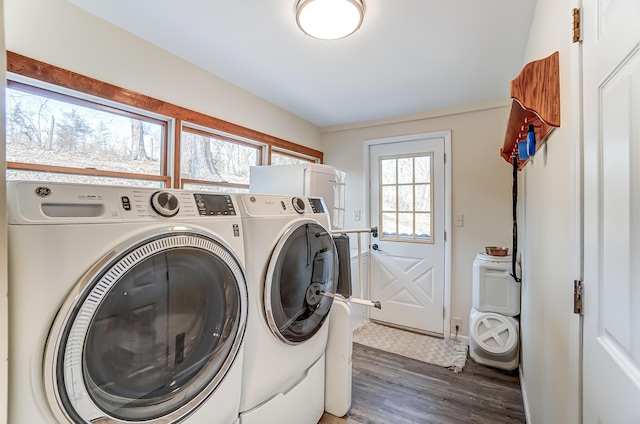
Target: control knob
column 298, row 205
column 165, row 203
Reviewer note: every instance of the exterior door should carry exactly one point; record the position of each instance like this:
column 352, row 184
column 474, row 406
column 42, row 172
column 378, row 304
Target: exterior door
column 408, row 255
column 611, row 350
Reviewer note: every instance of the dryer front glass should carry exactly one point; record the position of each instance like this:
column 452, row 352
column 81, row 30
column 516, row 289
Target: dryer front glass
column 301, row 282
column 160, row 326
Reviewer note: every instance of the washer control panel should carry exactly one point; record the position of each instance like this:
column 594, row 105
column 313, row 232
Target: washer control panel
column 214, row 204
column 165, row 203
column 49, row 202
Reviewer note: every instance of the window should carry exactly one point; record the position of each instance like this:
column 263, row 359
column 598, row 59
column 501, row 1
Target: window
column 288, row 158
column 406, row 198
column 63, row 126
column 214, row 162
column 81, row 141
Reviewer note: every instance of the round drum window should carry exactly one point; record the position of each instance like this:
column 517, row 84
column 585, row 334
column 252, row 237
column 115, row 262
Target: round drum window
column 158, row 330
column 301, row 281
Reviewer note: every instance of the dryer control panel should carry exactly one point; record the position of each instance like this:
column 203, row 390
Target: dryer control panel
column 275, row 205
column 317, row 205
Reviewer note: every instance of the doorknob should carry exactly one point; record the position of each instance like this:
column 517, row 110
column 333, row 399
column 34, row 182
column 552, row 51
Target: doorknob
column 375, row 247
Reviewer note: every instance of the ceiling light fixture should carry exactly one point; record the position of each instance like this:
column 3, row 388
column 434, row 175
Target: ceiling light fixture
column 329, row 19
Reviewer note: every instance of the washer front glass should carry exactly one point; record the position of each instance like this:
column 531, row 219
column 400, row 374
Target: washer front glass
column 303, row 267
column 160, row 327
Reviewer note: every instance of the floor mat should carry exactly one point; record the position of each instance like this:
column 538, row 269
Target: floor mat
column 446, row 353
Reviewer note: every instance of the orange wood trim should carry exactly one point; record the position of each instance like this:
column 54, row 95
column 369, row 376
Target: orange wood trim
column 32, row 68
column 177, row 134
column 165, row 150
column 87, row 171
column 536, row 94
column 537, row 88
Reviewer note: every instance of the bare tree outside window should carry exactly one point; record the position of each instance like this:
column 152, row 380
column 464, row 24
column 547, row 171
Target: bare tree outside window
column 216, row 159
column 48, row 132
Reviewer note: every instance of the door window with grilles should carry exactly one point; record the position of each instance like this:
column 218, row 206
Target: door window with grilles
column 406, row 198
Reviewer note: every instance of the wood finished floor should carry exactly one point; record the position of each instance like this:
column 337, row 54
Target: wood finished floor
column 392, row 389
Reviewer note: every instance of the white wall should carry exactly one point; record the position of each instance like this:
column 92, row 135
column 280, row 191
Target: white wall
column 550, row 343
column 61, row 34
column 4, row 339
column 481, row 181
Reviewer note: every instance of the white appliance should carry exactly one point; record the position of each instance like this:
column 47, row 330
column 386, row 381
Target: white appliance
column 127, row 305
column 291, row 259
column 493, row 328
column 307, row 179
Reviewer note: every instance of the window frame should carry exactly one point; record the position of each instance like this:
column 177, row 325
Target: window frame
column 80, row 101
column 64, row 82
column 214, row 134
column 282, row 152
column 413, row 211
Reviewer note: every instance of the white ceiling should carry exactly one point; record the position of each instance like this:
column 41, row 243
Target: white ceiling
column 409, row 56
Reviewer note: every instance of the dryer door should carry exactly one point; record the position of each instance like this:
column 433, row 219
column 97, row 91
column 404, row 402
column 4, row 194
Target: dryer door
column 304, row 264
column 152, row 333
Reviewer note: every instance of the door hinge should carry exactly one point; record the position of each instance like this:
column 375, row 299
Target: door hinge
column 445, row 236
column 577, row 297
column 444, row 156
column 577, row 25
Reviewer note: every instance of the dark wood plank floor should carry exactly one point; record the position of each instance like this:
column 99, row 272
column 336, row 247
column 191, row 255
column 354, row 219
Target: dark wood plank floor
column 390, row 389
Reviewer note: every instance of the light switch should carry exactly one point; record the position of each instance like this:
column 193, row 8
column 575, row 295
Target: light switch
column 458, row 220
column 356, row 215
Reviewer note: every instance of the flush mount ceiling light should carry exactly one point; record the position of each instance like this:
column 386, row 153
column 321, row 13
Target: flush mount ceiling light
column 329, row 19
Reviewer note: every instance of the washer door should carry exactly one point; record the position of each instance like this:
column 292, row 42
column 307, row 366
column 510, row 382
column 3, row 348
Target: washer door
column 303, row 265
column 153, row 332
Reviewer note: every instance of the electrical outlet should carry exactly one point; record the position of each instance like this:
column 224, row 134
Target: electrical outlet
column 457, row 322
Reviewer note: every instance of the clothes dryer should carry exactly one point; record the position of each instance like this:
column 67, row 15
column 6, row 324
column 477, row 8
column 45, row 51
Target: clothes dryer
column 127, row 305
column 291, row 273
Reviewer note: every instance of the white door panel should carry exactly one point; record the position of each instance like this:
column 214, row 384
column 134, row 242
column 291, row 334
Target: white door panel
column 408, row 257
column 611, row 351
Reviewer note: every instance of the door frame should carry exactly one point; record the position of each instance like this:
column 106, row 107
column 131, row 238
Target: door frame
column 446, row 135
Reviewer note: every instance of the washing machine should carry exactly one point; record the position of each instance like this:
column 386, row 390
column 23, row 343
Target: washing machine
column 292, row 274
column 126, row 305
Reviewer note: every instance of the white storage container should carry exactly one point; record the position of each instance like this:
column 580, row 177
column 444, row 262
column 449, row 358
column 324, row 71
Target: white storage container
column 494, row 289
column 493, row 340
column 338, row 366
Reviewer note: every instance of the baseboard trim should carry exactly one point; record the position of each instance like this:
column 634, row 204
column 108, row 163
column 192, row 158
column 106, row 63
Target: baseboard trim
column 461, row 339
column 525, row 401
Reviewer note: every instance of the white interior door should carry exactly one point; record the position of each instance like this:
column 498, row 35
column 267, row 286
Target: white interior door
column 407, row 204
column 611, row 350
